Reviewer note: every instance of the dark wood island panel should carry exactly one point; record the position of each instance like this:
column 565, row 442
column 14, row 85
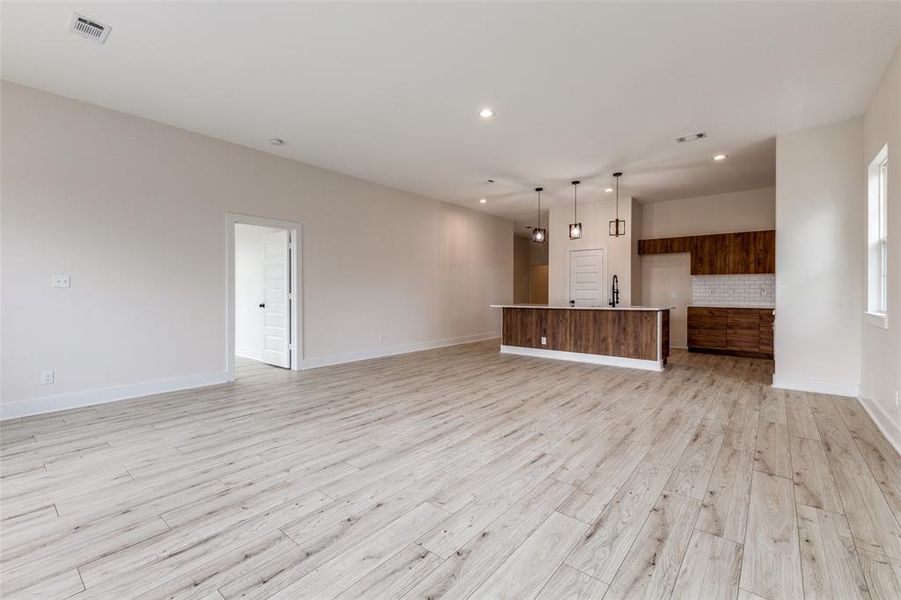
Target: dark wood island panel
column 619, row 333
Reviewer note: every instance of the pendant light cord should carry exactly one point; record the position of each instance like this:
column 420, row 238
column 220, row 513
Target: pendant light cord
column 575, row 202
column 617, row 205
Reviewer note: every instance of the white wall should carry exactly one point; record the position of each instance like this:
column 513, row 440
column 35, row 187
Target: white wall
column 819, row 270
column 666, row 281
column 881, row 348
column 249, row 241
column 748, row 210
column 135, row 211
column 595, row 217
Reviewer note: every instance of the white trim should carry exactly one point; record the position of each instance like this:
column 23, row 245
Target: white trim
column 295, row 247
column 819, row 386
column 48, row 404
column 660, row 335
column 890, row 429
column 879, row 320
column 594, row 359
column 349, row 357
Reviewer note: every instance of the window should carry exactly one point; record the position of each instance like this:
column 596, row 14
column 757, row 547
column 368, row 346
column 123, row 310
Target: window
column 877, row 239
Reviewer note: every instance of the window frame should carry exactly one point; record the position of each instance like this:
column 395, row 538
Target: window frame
column 877, row 240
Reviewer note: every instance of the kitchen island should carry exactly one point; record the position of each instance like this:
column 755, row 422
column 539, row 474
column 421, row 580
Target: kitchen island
column 626, row 336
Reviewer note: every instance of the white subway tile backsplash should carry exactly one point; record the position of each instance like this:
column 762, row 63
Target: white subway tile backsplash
column 733, row 290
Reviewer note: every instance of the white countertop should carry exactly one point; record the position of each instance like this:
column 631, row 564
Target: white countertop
column 567, row 307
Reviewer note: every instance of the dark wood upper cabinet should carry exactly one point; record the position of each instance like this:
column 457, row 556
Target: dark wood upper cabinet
column 764, row 252
column 665, row 245
column 710, row 254
column 721, row 254
column 741, row 252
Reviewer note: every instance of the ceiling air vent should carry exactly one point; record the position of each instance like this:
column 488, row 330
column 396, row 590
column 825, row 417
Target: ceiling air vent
column 86, row 28
column 691, row 137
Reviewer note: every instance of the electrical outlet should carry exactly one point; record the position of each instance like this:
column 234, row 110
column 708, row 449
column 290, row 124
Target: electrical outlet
column 898, row 399
column 543, row 341
column 60, row 281
column 48, row 377
column 381, row 337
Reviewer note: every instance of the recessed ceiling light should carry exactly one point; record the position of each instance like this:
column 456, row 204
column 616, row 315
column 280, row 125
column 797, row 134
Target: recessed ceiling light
column 609, row 190
column 483, row 201
column 486, row 113
column 276, row 141
column 719, row 157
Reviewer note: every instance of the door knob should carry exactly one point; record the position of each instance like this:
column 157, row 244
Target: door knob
column 263, row 305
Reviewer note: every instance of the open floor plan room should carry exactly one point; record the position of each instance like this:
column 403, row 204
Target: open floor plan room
column 450, row 300
column 450, row 474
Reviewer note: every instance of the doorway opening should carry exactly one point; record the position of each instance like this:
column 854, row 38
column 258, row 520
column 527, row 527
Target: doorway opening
column 263, row 293
column 530, row 269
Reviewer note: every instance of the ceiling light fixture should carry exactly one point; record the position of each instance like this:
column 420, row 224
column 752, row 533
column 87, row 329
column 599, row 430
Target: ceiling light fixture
column 483, row 201
column 276, row 141
column 719, row 157
column 608, row 190
column 575, row 228
column 539, row 235
column 617, row 227
column 486, row 113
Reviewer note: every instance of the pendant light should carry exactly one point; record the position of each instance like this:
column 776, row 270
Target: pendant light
column 575, row 228
column 539, row 235
column 617, row 226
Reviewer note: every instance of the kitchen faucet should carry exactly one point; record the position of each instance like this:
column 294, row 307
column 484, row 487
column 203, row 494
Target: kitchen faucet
column 614, row 295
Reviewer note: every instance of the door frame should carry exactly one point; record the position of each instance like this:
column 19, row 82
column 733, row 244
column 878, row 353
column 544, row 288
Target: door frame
column 579, row 248
column 295, row 252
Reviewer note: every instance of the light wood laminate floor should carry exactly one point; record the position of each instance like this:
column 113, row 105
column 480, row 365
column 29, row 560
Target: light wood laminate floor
column 457, row 473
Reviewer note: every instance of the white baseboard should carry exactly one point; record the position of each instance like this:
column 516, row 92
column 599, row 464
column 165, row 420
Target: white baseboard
column 243, row 354
column 48, row 404
column 594, row 359
column 338, row 359
column 819, row 386
column 889, row 428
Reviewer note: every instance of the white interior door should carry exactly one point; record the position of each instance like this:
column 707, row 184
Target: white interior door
column 586, row 278
column 276, row 313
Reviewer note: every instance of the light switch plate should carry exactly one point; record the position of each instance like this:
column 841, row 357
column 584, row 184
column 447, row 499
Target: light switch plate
column 48, row 377
column 60, row 281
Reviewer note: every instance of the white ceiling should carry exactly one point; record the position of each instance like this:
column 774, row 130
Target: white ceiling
column 391, row 92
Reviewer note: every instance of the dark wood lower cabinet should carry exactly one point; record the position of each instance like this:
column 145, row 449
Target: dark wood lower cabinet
column 706, row 327
column 767, row 319
column 739, row 331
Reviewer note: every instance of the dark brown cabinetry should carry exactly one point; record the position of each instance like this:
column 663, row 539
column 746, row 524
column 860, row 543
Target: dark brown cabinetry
column 706, row 327
column 710, row 254
column 766, row 331
column 741, row 331
column 764, row 252
column 721, row 254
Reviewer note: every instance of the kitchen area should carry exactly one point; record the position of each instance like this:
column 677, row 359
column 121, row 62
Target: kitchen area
column 696, row 274
column 733, row 281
